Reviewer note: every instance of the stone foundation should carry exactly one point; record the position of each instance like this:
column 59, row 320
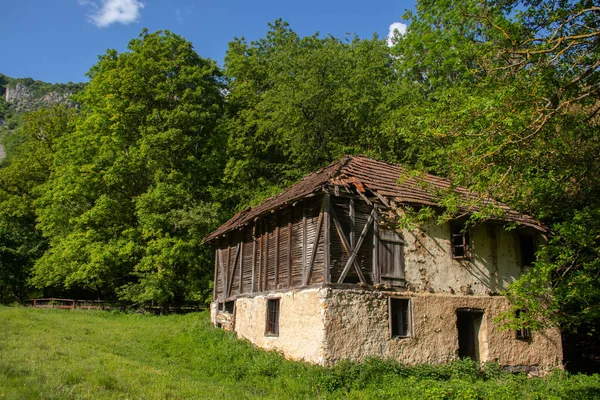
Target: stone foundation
column 323, row 325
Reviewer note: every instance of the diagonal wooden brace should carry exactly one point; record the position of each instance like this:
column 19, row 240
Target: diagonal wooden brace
column 361, row 239
column 346, row 245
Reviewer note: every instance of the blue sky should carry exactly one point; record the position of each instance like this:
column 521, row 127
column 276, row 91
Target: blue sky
column 59, row 40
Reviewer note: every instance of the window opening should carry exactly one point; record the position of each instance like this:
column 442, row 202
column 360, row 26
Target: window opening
column 272, row 321
column 522, row 333
column 460, row 241
column 527, row 245
column 400, row 317
column 229, row 306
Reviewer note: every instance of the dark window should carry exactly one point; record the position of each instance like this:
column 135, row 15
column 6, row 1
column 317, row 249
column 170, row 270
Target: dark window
column 460, row 241
column 522, row 333
column 527, row 245
column 391, row 255
column 400, row 318
column 229, row 305
column 272, row 323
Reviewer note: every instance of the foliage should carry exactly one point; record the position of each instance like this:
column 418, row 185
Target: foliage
column 297, row 104
column 129, row 197
column 28, row 168
column 502, row 97
column 86, row 354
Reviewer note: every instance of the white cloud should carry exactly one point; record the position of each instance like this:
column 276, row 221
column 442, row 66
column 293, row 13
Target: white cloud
column 106, row 12
column 396, row 26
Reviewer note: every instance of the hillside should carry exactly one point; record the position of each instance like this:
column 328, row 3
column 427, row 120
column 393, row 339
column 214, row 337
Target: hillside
column 107, row 355
column 20, row 95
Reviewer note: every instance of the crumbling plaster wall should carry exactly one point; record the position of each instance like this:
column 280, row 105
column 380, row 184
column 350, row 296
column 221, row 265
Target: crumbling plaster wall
column 301, row 328
column 357, row 326
column 429, row 265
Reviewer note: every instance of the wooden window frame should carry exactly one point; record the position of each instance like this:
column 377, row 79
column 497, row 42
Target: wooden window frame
column 391, row 238
column 460, row 239
column 407, row 310
column 522, row 333
column 272, row 317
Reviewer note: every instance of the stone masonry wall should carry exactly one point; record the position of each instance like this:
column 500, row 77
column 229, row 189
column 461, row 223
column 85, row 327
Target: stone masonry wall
column 357, row 326
column 301, row 328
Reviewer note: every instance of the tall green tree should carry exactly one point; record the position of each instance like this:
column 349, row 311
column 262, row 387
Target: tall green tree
column 503, row 98
column 129, row 198
column 21, row 243
column 298, row 103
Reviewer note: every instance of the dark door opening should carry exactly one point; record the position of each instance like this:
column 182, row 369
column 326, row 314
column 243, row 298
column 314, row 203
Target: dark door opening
column 468, row 323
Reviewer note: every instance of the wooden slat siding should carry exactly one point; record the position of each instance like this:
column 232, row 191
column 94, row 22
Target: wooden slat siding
column 346, row 245
column 253, row 279
column 352, row 223
column 304, row 238
column 298, row 250
column 326, row 237
column 318, row 269
column 375, row 249
column 265, row 277
column 260, row 256
column 315, row 243
column 276, row 261
column 290, row 240
column 223, row 284
column 241, row 267
column 247, row 261
column 365, row 254
column 284, row 222
column 216, row 276
column 361, row 239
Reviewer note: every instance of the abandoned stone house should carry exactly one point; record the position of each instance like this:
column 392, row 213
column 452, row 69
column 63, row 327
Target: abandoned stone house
column 321, row 272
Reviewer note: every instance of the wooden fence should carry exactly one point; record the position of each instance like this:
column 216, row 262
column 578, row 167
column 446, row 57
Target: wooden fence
column 71, row 304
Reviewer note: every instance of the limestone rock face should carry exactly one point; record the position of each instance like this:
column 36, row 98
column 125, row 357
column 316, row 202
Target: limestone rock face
column 23, row 99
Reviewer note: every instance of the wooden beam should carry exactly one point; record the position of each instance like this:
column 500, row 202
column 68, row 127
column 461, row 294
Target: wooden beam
column 260, row 259
column 216, row 276
column 241, row 289
column 352, row 223
column 327, row 238
column 289, row 248
column 228, row 267
column 316, row 244
column 253, row 280
column 346, row 245
column 361, row 238
column 376, row 270
column 266, row 258
column 233, row 267
column 276, row 267
column 304, row 241
column 222, row 268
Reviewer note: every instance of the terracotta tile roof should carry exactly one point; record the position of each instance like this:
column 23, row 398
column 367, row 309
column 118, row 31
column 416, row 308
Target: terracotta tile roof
column 379, row 182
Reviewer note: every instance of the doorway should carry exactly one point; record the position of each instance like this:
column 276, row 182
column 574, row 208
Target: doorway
column 468, row 324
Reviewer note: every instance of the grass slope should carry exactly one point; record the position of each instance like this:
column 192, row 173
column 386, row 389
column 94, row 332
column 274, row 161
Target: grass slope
column 51, row 354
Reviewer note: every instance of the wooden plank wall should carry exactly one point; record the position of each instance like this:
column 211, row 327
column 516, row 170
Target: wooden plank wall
column 352, row 229
column 258, row 257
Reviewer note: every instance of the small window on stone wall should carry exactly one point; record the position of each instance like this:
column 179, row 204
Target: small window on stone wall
column 272, row 320
column 400, row 317
column 460, row 241
column 522, row 333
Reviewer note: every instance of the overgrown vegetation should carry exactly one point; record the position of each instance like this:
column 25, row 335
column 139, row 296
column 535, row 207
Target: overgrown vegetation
column 499, row 96
column 51, row 354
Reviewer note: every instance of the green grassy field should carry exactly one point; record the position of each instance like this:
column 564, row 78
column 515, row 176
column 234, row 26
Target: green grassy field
column 51, row 354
